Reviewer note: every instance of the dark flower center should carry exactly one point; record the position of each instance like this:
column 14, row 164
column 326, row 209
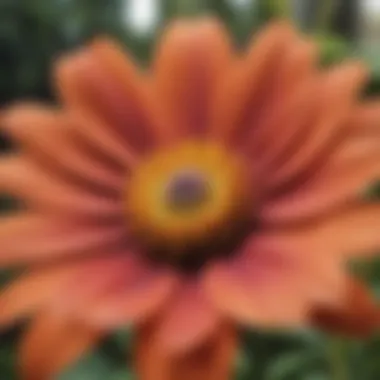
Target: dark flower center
column 189, row 203
column 187, row 190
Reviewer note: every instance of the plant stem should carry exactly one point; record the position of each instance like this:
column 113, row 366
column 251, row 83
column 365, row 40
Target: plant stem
column 339, row 370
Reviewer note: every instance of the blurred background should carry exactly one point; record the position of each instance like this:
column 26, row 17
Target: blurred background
column 34, row 32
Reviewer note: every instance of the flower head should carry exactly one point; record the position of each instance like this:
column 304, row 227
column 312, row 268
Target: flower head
column 215, row 188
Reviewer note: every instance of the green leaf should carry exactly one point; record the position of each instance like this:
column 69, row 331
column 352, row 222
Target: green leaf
column 94, row 367
column 333, row 48
column 287, row 366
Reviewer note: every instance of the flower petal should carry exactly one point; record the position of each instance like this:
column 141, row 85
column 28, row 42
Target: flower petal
column 363, row 136
column 143, row 294
column 25, row 180
column 339, row 183
column 357, row 148
column 212, row 361
column 365, row 119
column 95, row 135
column 287, row 113
column 296, row 70
column 31, row 238
column 100, row 279
column 262, row 299
column 242, row 89
column 29, row 292
column 46, row 136
column 102, row 82
column 52, row 344
column 339, row 89
column 188, row 320
column 41, row 287
column 346, row 234
column 190, row 62
column 273, row 281
column 353, row 232
column 358, row 316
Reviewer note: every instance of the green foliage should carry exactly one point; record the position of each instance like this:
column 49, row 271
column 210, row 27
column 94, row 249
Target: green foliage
column 333, row 48
column 34, row 33
column 371, row 56
column 97, row 366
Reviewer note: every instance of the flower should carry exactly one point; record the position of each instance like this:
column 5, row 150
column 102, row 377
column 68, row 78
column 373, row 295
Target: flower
column 358, row 316
column 213, row 189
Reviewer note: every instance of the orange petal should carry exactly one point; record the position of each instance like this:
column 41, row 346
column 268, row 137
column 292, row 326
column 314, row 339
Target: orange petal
column 212, row 361
column 52, row 344
column 339, row 183
column 94, row 132
column 188, row 320
column 297, row 68
column 45, row 192
column 247, row 303
column 99, row 280
column 365, row 119
column 359, row 147
column 287, row 125
column 286, row 114
column 339, row 89
column 95, row 135
column 349, row 233
column 45, row 135
column 363, row 138
column 259, row 287
column 30, row 292
column 358, row 316
column 45, row 286
column 190, row 62
column 30, row 238
column 142, row 295
column 243, row 88
column 275, row 278
column 92, row 83
column 230, row 295
column 114, row 58
column 353, row 232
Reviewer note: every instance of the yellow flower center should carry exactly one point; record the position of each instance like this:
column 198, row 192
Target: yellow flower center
column 187, row 198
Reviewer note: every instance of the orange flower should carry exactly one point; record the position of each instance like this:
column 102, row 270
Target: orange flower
column 214, row 189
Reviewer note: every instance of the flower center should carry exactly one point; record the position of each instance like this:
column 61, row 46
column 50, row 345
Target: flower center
column 184, row 203
column 187, row 190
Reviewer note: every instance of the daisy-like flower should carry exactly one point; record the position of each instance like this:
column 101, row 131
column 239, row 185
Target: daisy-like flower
column 214, row 189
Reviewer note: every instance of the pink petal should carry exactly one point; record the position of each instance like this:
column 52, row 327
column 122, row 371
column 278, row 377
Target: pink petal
column 46, row 135
column 142, row 295
column 45, row 192
column 42, row 287
column 340, row 183
column 190, row 62
column 51, row 344
column 340, row 88
column 297, row 69
column 31, row 238
column 271, row 282
column 95, row 135
column 243, row 88
column 103, row 83
column 211, row 361
column 97, row 280
column 188, row 320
